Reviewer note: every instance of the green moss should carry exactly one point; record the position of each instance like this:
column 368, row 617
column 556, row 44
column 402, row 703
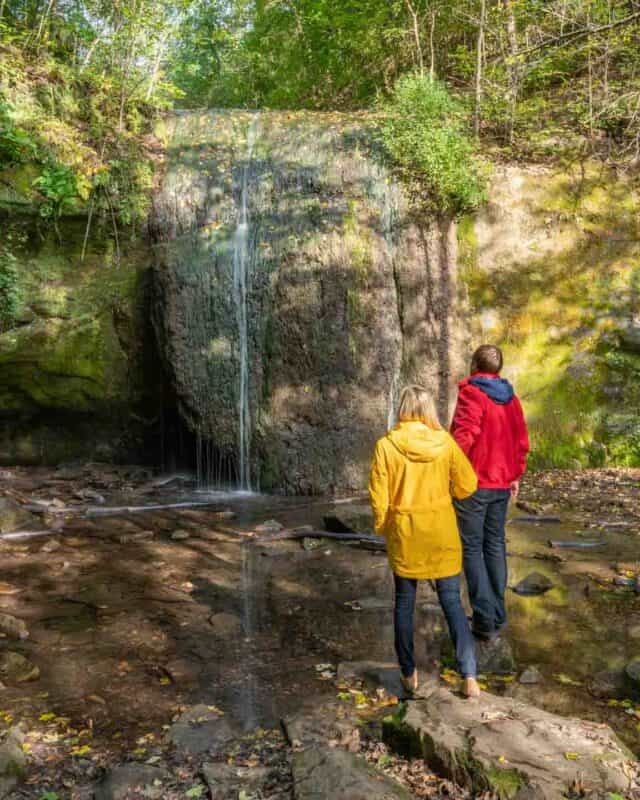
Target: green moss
column 560, row 313
column 505, row 783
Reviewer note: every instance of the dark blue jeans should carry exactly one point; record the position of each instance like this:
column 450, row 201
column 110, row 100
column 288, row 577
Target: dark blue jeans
column 449, row 596
column 481, row 521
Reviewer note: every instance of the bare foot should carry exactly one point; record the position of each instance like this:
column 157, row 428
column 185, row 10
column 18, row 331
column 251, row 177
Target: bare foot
column 410, row 684
column 471, row 688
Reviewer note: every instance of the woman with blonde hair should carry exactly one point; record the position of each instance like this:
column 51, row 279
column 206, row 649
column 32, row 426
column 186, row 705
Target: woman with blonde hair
column 417, row 468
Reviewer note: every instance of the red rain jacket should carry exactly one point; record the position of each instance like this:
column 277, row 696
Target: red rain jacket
column 490, row 428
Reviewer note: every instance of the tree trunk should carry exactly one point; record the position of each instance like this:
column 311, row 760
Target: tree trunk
column 416, row 35
column 432, row 49
column 479, row 51
column 512, row 66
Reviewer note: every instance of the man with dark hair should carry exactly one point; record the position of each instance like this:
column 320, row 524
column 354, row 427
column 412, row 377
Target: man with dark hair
column 489, row 426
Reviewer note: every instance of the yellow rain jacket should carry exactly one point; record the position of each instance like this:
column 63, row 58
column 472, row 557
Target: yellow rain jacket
column 415, row 472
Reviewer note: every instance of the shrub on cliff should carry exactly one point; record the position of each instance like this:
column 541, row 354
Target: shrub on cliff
column 423, row 133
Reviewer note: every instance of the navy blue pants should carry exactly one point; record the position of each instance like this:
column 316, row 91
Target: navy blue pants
column 481, row 521
column 449, row 596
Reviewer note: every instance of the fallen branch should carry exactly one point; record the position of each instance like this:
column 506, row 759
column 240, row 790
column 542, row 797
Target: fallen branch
column 367, row 539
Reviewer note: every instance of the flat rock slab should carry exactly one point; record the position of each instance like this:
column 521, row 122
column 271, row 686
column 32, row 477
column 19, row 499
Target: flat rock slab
column 132, row 780
column 200, row 730
column 226, row 781
column 323, row 773
column 510, row 748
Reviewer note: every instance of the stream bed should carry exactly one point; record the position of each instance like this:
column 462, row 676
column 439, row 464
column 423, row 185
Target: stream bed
column 131, row 616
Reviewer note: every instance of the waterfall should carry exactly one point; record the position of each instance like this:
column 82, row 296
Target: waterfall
column 241, row 264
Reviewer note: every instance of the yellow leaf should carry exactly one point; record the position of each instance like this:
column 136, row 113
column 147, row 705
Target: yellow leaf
column 47, row 717
column 572, row 756
column 164, row 680
column 81, row 751
column 502, row 759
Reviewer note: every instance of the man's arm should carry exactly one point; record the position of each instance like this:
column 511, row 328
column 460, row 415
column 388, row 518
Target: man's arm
column 467, row 420
column 379, row 488
column 522, row 443
column 523, row 438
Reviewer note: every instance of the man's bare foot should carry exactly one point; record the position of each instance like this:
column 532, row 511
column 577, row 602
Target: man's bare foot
column 410, row 684
column 471, row 688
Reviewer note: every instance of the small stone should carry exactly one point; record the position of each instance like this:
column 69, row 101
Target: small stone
column 534, row 584
column 180, row 535
column 51, row 546
column 270, row 526
column 226, row 625
column 531, row 675
column 13, row 626
column 226, row 514
column 132, row 780
column 15, row 668
column 132, row 538
column 311, row 544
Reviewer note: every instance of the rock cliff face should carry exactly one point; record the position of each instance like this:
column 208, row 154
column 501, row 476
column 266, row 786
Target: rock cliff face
column 294, row 296
column 553, row 269
column 75, row 378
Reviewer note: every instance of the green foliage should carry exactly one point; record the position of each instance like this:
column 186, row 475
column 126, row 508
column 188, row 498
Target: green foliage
column 423, row 133
column 16, row 144
column 58, row 185
column 10, row 293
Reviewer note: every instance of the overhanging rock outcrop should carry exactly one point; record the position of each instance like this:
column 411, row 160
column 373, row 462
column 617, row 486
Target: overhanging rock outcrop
column 295, row 293
column 512, row 749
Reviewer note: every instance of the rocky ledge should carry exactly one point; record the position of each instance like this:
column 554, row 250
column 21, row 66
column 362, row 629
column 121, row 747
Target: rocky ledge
column 512, row 749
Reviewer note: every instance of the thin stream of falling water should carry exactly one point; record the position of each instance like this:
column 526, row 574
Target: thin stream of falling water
column 249, row 711
column 241, row 263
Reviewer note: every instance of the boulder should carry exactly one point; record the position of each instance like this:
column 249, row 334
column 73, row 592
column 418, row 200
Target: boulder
column 200, row 730
column 323, row 773
column 512, row 749
column 12, row 761
column 132, row 780
column 496, row 657
column 349, row 519
column 608, row 683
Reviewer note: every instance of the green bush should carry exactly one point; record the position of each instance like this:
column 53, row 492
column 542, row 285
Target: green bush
column 16, row 144
column 423, row 132
column 58, row 185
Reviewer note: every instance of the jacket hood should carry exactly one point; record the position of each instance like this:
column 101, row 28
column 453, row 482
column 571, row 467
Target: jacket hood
column 417, row 442
column 497, row 389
